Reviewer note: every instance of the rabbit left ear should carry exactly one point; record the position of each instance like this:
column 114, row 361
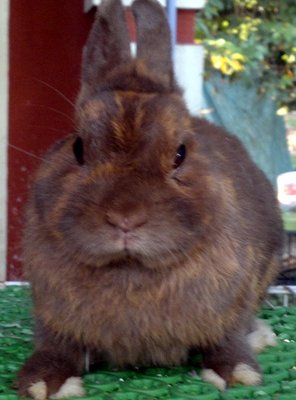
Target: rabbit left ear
column 154, row 40
column 107, row 45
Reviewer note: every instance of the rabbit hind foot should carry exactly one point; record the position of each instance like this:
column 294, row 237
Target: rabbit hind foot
column 261, row 337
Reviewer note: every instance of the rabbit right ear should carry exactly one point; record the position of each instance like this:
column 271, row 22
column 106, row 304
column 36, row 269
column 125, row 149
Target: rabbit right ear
column 107, row 45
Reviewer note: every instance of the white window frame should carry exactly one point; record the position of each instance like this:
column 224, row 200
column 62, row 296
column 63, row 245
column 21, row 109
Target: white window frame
column 183, row 4
column 4, row 60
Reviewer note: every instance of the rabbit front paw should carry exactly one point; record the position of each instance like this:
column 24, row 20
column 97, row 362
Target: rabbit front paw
column 231, row 361
column 48, row 376
column 242, row 373
column 72, row 387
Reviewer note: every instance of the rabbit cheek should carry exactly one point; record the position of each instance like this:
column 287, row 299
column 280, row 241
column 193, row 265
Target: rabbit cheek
column 188, row 217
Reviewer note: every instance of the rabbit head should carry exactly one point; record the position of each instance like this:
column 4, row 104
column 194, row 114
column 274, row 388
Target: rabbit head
column 129, row 186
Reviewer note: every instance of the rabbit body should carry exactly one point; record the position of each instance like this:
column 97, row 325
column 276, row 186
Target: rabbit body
column 194, row 270
column 148, row 232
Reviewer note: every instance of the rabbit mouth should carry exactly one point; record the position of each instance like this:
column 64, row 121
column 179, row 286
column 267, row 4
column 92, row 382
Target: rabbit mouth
column 147, row 248
column 129, row 243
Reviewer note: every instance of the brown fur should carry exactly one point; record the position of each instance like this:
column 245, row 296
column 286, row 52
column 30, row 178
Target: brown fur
column 128, row 256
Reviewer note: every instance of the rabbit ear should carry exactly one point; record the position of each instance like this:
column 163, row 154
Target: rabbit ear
column 107, row 45
column 154, row 39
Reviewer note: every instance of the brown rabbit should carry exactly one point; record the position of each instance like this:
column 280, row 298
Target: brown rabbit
column 149, row 232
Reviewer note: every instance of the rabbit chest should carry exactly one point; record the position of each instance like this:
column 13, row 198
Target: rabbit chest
column 135, row 317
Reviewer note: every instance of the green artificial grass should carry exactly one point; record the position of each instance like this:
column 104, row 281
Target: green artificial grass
column 180, row 383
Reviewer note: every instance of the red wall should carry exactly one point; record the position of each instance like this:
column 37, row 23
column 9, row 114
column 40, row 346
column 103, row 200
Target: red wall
column 46, row 39
column 185, row 27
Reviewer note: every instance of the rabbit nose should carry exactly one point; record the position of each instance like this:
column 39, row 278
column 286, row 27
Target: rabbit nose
column 126, row 222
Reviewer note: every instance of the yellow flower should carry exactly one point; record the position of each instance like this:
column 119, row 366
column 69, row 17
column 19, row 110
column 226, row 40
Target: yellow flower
column 282, row 111
column 197, row 41
column 220, row 42
column 216, row 61
column 236, row 65
column 291, row 58
column 226, row 69
column 238, row 57
column 251, row 3
column 228, row 65
column 225, row 24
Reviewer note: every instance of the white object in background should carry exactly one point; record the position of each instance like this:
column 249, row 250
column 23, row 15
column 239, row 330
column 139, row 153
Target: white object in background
column 287, row 291
column 189, row 66
column 4, row 13
column 286, row 188
column 183, row 4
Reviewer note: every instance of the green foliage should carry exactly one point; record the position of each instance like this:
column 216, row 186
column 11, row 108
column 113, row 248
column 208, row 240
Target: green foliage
column 255, row 40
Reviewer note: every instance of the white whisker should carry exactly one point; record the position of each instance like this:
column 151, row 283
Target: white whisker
column 52, row 109
column 27, row 153
column 55, row 90
column 48, row 127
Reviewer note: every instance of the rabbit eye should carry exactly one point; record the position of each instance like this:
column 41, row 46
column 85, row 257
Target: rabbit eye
column 180, row 156
column 78, row 150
